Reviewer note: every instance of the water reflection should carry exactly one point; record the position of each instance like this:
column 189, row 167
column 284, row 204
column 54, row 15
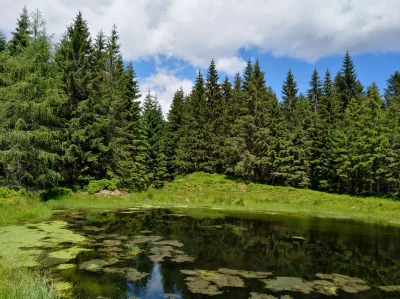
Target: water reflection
column 288, row 246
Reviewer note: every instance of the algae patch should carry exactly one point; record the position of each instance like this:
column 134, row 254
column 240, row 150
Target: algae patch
column 22, row 239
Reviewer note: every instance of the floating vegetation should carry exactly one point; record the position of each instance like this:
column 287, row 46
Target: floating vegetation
column 348, row 284
column 170, row 243
column 254, row 295
column 390, row 289
column 92, row 228
column 292, row 284
column 203, row 287
column 133, row 250
column 145, row 239
column 245, row 274
column 112, row 243
column 65, row 266
column 328, row 286
column 208, row 282
column 135, row 275
column 93, row 265
column 21, row 239
column 67, row 254
column 158, row 253
column 63, row 289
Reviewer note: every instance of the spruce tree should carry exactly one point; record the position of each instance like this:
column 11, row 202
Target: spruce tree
column 74, row 60
column 191, row 152
column 315, row 92
column 289, row 98
column 174, row 130
column 248, row 72
column 347, row 84
column 31, row 106
column 3, row 41
column 21, row 35
column 153, row 125
column 392, row 92
column 215, row 127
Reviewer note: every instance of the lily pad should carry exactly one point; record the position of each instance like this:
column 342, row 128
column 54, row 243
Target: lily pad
column 111, row 243
column 183, row 258
column 172, row 296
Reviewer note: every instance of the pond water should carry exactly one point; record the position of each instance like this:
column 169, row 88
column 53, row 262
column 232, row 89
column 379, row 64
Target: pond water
column 199, row 253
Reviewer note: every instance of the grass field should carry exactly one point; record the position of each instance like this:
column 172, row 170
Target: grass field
column 211, row 190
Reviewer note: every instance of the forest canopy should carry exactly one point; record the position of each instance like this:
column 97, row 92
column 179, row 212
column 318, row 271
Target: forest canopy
column 71, row 114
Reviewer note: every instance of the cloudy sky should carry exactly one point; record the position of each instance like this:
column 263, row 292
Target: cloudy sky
column 169, row 40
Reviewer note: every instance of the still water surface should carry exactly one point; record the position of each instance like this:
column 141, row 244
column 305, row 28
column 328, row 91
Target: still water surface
column 187, row 253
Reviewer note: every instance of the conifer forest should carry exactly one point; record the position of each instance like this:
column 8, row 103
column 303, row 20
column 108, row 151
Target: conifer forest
column 71, row 113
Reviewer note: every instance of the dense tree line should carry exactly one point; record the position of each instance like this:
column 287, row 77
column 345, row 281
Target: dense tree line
column 71, row 114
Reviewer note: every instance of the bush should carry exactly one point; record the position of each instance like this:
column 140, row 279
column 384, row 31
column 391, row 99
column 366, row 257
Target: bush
column 97, row 186
column 5, row 192
column 55, row 192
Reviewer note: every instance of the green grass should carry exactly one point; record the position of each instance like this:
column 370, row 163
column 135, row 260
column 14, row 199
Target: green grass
column 21, row 208
column 21, row 283
column 215, row 191
column 219, row 191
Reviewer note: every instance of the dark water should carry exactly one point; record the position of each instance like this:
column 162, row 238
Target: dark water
column 284, row 245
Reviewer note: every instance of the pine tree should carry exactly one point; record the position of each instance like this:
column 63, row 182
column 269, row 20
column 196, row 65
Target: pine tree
column 289, row 97
column 89, row 143
column 153, row 124
column 347, row 84
column 174, row 130
column 74, row 60
column 3, row 41
column 248, row 72
column 392, row 92
column 215, row 127
column 21, row 35
column 191, row 152
column 315, row 92
column 255, row 141
column 31, row 105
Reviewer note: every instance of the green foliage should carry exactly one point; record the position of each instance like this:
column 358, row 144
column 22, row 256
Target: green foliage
column 55, row 193
column 99, row 185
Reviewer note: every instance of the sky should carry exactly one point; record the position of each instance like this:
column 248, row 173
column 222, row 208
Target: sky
column 170, row 40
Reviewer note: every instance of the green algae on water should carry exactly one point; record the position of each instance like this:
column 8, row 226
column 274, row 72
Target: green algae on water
column 20, row 240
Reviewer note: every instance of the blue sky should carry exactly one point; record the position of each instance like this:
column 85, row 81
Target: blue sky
column 169, row 40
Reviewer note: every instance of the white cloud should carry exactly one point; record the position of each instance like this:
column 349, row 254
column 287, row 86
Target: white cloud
column 164, row 83
column 198, row 30
column 230, row 65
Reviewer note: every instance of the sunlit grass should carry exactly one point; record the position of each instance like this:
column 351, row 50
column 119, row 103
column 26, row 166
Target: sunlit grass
column 21, row 283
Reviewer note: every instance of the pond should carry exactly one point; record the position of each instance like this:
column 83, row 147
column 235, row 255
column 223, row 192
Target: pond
column 199, row 253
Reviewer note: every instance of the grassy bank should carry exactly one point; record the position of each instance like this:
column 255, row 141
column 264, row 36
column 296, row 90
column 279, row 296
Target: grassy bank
column 20, row 283
column 210, row 190
column 217, row 191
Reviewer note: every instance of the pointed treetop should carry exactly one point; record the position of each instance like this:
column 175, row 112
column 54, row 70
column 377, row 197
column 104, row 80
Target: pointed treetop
column 3, row 41
column 327, row 86
column 289, row 88
column 248, row 73
column 392, row 92
column 20, row 38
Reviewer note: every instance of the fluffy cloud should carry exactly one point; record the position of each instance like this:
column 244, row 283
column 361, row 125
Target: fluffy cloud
column 198, row 30
column 230, row 65
column 164, row 83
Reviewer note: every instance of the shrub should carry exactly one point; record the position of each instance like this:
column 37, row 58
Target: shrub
column 99, row 185
column 5, row 192
column 55, row 192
